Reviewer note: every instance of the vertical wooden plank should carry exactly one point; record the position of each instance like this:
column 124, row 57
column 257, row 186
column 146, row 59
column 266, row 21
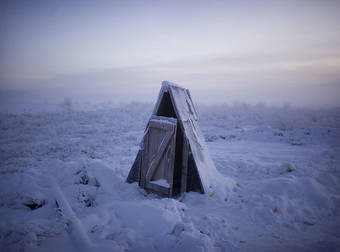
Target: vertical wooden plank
column 172, row 160
column 185, row 154
column 134, row 173
column 145, row 160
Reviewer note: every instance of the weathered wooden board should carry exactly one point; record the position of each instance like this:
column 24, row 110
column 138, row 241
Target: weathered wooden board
column 158, row 154
column 135, row 169
column 184, row 167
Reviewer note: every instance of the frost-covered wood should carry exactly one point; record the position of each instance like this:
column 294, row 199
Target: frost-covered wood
column 158, row 154
column 135, row 170
column 184, row 165
column 173, row 147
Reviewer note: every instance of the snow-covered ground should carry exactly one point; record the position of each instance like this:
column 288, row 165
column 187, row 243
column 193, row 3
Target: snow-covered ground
column 286, row 163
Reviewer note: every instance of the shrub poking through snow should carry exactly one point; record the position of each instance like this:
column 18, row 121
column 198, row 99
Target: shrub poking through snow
column 34, row 204
column 286, row 168
column 275, row 210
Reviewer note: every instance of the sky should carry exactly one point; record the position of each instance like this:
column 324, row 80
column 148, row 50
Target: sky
column 271, row 52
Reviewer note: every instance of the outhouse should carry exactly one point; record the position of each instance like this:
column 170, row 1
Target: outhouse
column 173, row 157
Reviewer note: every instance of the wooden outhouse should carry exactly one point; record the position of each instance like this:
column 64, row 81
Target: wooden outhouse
column 173, row 156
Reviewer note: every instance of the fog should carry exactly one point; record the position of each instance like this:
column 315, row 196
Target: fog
column 223, row 51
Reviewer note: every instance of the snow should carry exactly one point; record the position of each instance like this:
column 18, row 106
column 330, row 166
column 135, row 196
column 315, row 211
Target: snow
column 161, row 182
column 285, row 163
column 164, row 120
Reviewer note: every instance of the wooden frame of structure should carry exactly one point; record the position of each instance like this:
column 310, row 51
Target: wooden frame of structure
column 173, row 157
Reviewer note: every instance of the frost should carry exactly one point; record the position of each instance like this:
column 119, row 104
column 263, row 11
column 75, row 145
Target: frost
column 89, row 152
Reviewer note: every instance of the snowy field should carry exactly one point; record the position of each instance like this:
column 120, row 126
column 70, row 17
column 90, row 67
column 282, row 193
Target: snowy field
column 285, row 161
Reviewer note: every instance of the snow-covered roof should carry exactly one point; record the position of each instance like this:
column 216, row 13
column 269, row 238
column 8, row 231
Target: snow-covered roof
column 188, row 120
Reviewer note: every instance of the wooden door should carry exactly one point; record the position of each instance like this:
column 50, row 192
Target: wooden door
column 159, row 155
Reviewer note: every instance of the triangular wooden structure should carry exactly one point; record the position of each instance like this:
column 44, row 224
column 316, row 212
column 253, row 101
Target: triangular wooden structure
column 173, row 157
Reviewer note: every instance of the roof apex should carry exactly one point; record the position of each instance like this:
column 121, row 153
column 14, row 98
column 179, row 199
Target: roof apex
column 166, row 84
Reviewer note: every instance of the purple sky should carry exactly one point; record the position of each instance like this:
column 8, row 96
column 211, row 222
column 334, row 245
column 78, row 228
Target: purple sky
column 223, row 51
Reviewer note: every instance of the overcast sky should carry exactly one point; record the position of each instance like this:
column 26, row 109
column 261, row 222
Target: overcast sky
column 223, row 51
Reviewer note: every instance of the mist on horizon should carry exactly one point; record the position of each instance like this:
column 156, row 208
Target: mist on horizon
column 222, row 51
